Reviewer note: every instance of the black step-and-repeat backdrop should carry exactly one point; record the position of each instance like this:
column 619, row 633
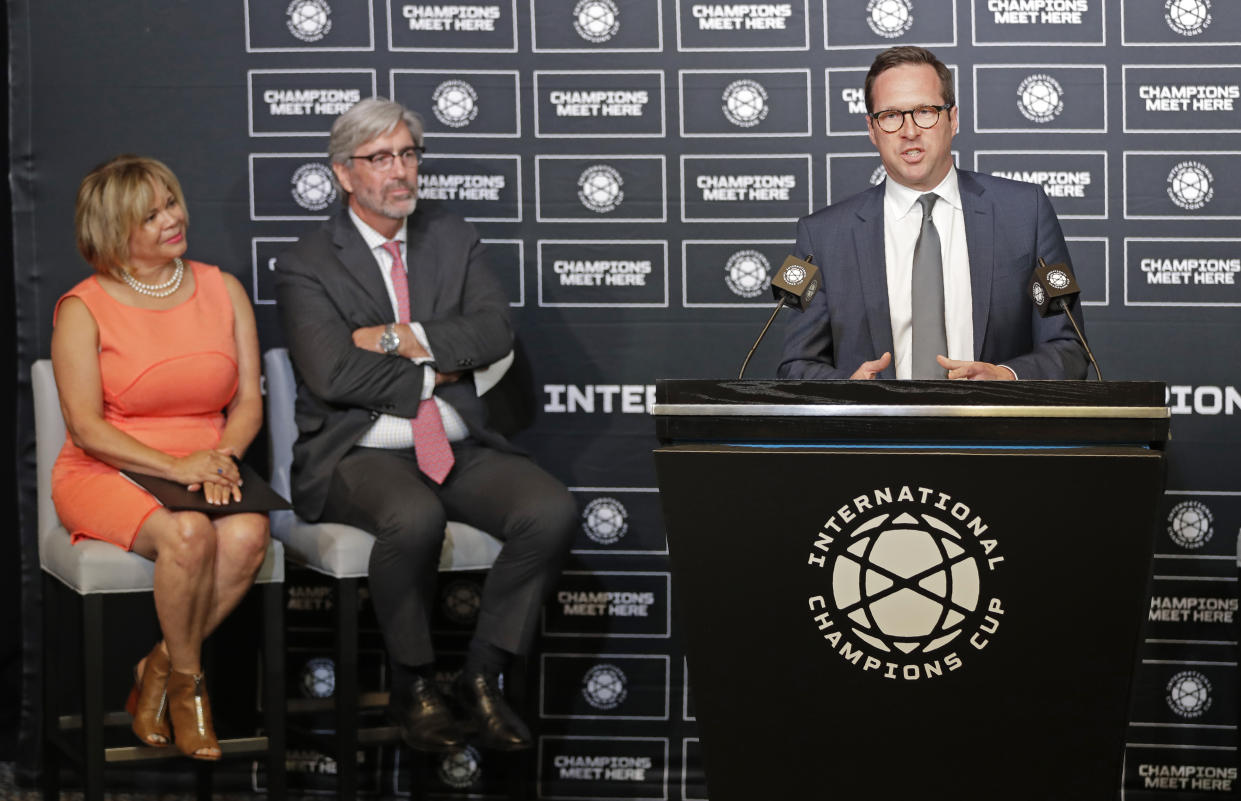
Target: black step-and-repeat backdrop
column 636, row 167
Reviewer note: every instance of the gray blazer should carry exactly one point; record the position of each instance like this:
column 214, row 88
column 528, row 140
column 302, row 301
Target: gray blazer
column 329, row 284
column 1008, row 226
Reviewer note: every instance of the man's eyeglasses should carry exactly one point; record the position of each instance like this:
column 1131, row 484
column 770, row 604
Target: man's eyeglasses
column 383, row 161
column 891, row 121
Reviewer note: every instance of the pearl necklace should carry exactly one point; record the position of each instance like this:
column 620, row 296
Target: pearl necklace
column 157, row 290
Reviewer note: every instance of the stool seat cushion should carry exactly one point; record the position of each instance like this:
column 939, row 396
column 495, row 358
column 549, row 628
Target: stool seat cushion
column 335, row 549
column 342, row 551
column 94, row 566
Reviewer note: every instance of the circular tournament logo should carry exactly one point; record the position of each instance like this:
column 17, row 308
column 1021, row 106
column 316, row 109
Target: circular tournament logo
column 1040, row 297
column 1189, row 185
column 460, row 769
column 309, row 20
column 460, row 600
column 1189, row 694
column 596, row 21
column 318, row 678
column 455, row 103
column 889, row 18
column 599, row 188
column 748, row 273
column 1190, row 524
column 1058, row 279
column 745, row 103
column 314, row 189
column 1187, row 17
column 878, row 176
column 905, row 575
column 604, row 686
column 794, row 275
column 1040, row 98
column 605, row 520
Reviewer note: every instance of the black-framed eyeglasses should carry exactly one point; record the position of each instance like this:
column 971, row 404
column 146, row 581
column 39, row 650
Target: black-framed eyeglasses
column 383, row 160
column 891, row 120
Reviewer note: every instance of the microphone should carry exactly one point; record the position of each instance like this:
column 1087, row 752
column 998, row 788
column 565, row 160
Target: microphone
column 794, row 285
column 1051, row 289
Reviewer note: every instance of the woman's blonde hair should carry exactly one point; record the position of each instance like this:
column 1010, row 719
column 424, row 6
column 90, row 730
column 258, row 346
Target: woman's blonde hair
column 112, row 199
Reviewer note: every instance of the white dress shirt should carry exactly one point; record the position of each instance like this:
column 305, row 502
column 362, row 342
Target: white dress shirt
column 902, row 222
column 389, row 431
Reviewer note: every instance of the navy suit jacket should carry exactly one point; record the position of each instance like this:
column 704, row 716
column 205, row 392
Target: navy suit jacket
column 329, row 284
column 1008, row 226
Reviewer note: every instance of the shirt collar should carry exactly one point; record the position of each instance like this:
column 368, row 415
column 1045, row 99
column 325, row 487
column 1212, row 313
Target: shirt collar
column 901, row 200
column 373, row 238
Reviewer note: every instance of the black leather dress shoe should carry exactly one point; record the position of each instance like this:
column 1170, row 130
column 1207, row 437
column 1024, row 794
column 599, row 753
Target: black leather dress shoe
column 425, row 718
column 488, row 715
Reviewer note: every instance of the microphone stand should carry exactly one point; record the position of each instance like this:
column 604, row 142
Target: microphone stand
column 1081, row 338
column 762, row 334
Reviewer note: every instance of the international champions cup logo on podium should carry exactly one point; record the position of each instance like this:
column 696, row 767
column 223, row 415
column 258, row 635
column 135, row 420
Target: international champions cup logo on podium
column 908, row 570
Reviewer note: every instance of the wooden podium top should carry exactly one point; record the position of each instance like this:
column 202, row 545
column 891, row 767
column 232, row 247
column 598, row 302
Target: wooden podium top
column 915, row 412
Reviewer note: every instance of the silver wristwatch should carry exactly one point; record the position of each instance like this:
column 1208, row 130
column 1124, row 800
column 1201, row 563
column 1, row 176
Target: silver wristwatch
column 389, row 342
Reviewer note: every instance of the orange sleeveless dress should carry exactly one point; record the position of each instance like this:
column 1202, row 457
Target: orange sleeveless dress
column 167, row 375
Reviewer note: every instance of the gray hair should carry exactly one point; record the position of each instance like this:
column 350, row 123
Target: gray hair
column 366, row 120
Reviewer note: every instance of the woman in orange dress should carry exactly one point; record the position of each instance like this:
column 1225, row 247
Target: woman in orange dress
column 157, row 365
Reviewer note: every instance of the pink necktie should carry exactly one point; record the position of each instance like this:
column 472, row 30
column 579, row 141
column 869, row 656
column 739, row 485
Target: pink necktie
column 431, row 446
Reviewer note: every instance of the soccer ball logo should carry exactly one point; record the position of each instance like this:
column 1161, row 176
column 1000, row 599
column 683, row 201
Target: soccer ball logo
column 1189, row 694
column 1187, row 17
column 889, row 18
column 747, row 273
column 1190, row 524
column 319, row 678
column 1040, row 297
column 605, row 520
column 460, row 769
column 461, row 601
column 309, row 20
column 1040, row 98
column 907, row 586
column 794, row 275
column 596, row 21
column 455, row 103
column 878, row 176
column 1058, row 279
column 599, row 188
column 604, row 686
column 1189, row 185
column 745, row 103
column 314, row 189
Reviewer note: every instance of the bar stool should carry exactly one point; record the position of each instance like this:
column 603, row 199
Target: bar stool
column 78, row 580
column 342, row 553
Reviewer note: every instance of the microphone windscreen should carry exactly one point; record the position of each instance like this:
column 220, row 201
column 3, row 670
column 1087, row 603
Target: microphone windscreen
column 1051, row 286
column 796, row 282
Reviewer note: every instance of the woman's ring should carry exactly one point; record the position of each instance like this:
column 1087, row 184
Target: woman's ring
column 219, row 471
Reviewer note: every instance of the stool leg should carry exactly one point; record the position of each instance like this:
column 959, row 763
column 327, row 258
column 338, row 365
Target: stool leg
column 516, row 687
column 274, row 700
column 203, row 776
column 50, row 775
column 346, row 694
column 92, row 696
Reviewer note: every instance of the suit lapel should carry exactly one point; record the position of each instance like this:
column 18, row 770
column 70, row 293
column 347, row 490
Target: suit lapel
column 421, row 263
column 980, row 242
column 359, row 263
column 873, row 273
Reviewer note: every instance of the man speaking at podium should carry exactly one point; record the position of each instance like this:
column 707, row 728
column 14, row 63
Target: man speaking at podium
column 926, row 275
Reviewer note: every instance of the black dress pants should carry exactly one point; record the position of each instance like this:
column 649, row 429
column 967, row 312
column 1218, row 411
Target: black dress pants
column 506, row 495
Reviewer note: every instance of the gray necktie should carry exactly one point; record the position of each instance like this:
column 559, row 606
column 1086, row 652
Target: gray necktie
column 929, row 333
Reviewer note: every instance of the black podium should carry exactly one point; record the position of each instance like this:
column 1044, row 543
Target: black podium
column 911, row 590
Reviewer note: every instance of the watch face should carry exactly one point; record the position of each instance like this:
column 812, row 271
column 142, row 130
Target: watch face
column 389, row 341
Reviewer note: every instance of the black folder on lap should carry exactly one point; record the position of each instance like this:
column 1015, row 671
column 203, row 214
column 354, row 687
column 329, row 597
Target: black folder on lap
column 256, row 494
